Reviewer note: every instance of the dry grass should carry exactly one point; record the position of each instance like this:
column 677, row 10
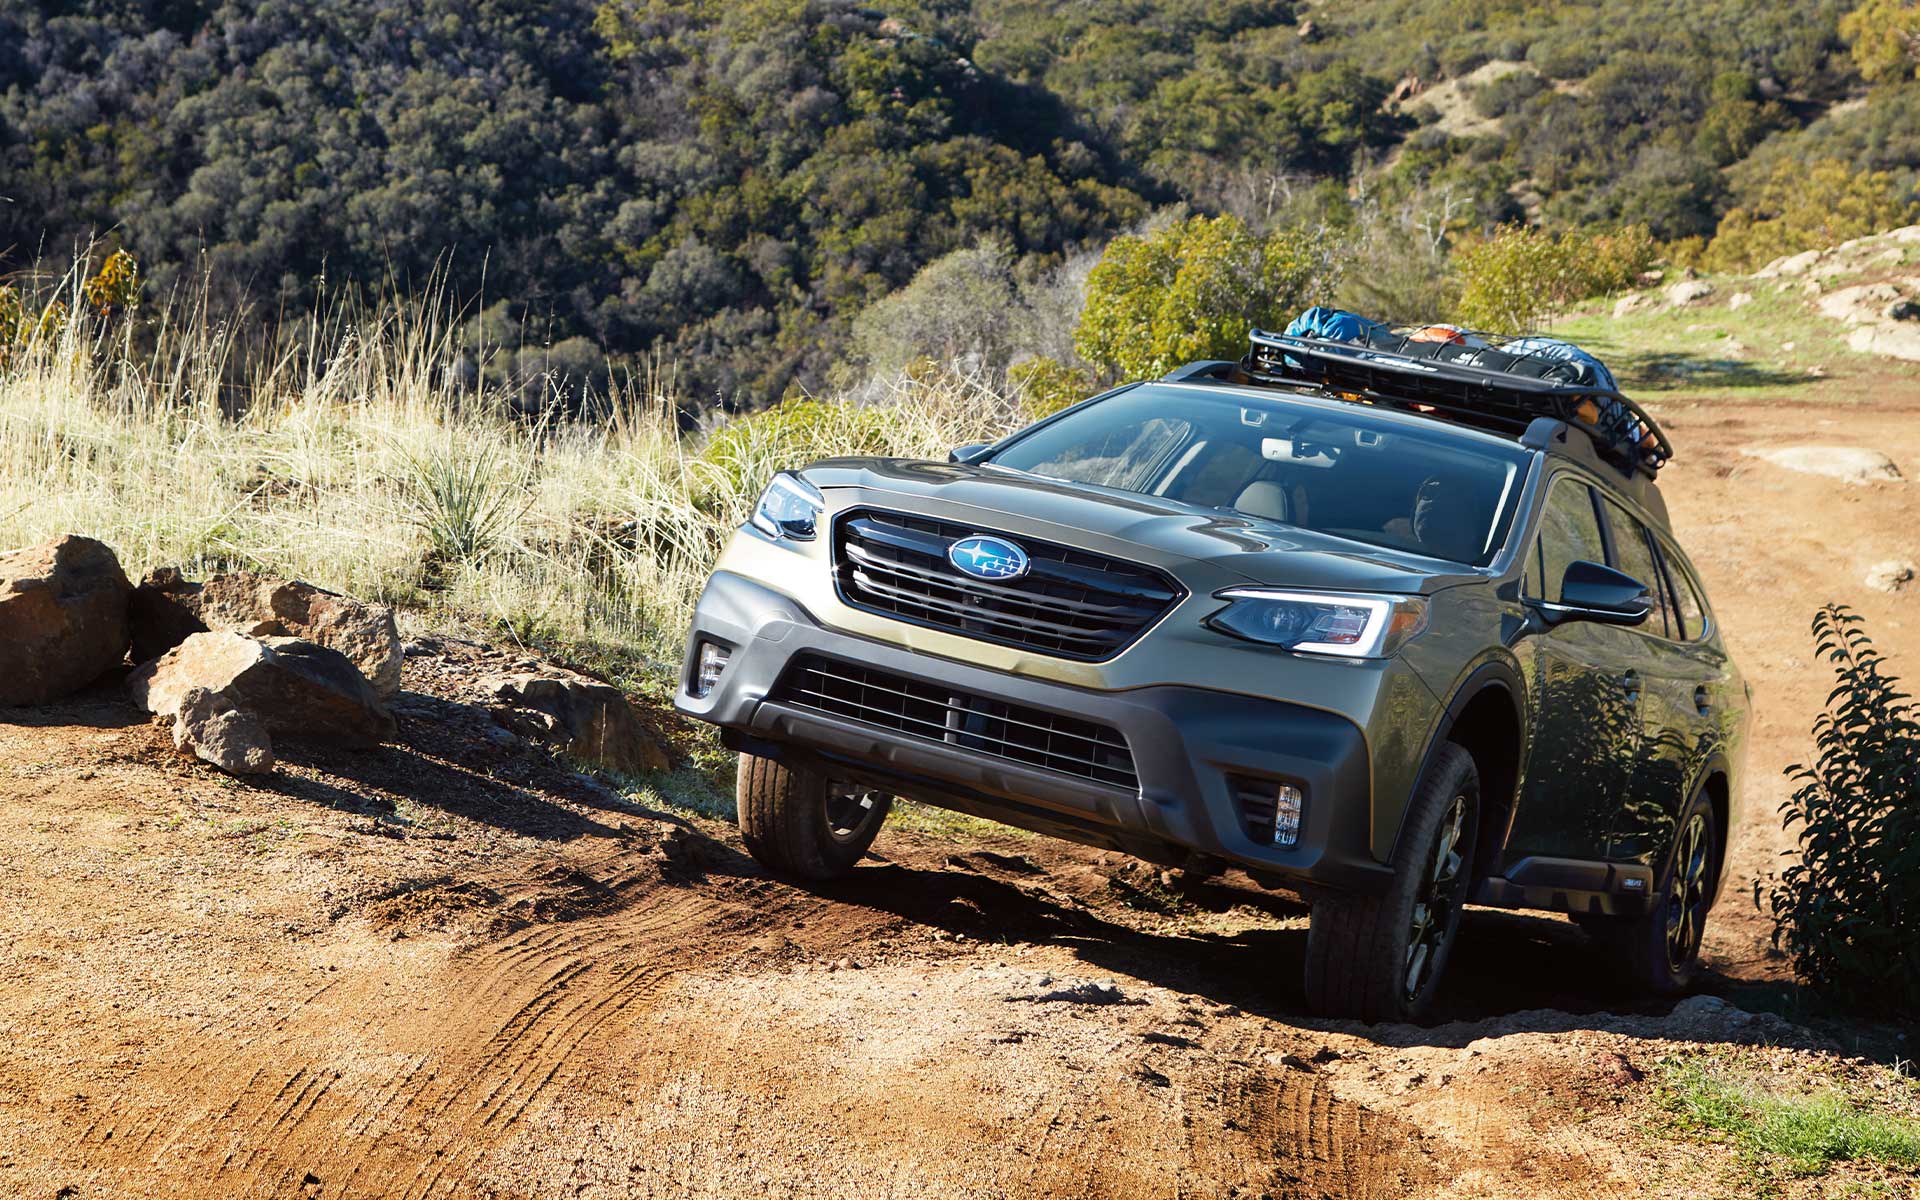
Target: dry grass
column 358, row 455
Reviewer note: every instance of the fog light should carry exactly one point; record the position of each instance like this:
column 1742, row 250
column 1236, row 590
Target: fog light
column 1286, row 816
column 708, row 665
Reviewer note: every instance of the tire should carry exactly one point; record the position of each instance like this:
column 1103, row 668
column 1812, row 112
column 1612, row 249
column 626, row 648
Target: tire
column 797, row 824
column 1381, row 958
column 1660, row 951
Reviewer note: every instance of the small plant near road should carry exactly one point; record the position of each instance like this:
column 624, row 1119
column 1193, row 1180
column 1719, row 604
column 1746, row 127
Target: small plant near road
column 1807, row 1126
column 1848, row 912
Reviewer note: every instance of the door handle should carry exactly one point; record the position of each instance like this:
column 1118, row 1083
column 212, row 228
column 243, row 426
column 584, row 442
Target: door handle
column 1703, row 700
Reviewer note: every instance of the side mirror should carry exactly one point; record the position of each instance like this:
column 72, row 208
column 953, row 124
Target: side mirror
column 1592, row 592
column 970, row 452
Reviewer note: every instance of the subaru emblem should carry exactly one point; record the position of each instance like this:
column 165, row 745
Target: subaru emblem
column 989, row 558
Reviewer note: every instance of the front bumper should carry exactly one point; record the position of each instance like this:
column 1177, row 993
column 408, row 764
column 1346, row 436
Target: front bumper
column 1187, row 746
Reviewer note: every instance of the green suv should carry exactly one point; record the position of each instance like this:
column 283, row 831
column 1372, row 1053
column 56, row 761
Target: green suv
column 1398, row 630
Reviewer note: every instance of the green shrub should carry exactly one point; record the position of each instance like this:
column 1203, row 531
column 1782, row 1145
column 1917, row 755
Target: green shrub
column 1801, row 207
column 1044, row 386
column 1521, row 276
column 1192, row 290
column 1882, row 35
column 1848, row 913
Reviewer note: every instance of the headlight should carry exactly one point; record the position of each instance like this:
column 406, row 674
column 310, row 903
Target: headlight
column 1322, row 623
column 789, row 508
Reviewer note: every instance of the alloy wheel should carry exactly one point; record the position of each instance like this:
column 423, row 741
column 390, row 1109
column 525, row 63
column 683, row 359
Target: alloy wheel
column 1437, row 901
column 849, row 809
column 1687, row 897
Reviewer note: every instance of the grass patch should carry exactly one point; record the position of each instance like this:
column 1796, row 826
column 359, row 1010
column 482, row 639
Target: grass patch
column 1809, row 1129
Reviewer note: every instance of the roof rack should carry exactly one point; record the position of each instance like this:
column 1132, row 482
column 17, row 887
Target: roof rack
column 1489, row 381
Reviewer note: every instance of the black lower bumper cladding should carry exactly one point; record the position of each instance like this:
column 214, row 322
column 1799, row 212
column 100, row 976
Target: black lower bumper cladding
column 1150, row 771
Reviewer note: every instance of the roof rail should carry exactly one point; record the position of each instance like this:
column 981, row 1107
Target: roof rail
column 1485, row 380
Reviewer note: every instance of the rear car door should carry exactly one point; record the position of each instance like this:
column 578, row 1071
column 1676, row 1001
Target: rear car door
column 1684, row 686
column 1583, row 684
column 1667, row 676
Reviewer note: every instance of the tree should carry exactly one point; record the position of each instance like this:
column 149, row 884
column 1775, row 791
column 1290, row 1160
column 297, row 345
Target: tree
column 1192, row 290
column 1884, row 36
column 1801, row 207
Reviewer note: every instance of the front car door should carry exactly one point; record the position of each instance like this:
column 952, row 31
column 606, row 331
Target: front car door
column 1583, row 683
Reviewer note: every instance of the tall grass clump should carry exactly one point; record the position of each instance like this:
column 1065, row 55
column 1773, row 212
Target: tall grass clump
column 1848, row 911
column 354, row 451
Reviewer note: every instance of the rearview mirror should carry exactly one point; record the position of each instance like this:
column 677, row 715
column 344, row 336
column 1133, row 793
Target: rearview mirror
column 1590, row 591
column 970, row 452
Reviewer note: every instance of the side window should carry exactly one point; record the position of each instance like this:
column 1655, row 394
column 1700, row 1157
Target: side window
column 1636, row 559
column 1569, row 532
column 1693, row 609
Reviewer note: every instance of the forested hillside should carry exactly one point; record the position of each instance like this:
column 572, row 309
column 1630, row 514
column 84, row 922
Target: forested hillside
column 723, row 187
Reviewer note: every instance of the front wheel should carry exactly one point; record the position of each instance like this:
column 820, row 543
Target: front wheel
column 801, row 824
column 1380, row 958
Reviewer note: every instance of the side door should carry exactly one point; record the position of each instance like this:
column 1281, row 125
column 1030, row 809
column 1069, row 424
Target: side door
column 1584, row 696
column 1686, row 707
column 1671, row 728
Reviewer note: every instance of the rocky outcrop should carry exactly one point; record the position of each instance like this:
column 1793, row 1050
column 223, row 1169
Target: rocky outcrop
column 295, row 688
column 1851, row 464
column 213, row 729
column 584, row 717
column 168, row 608
column 63, row 618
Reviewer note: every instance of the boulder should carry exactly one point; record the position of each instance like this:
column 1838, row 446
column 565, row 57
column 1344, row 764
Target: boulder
column 1629, row 304
column 1688, row 291
column 63, row 618
column 210, row 727
column 296, row 688
column 1891, row 576
column 168, row 608
column 1739, row 300
column 584, row 717
column 1853, row 464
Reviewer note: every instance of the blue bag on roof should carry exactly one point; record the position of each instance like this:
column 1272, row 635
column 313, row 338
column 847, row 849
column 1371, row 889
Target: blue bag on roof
column 1589, row 371
column 1333, row 325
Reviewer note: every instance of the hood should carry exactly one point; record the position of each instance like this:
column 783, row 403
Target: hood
column 1161, row 531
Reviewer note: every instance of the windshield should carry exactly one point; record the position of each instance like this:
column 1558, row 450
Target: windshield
column 1338, row 469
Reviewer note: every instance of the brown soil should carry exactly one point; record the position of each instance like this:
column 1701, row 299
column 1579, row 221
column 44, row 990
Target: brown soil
column 454, row 968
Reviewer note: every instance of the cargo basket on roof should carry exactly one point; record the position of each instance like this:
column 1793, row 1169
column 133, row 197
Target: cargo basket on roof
column 1486, row 380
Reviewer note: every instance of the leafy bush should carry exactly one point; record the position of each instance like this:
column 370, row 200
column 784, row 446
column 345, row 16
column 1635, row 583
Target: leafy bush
column 1884, row 35
column 1518, row 278
column 1192, row 290
column 1800, row 207
column 1045, row 386
column 1504, row 94
column 1848, row 913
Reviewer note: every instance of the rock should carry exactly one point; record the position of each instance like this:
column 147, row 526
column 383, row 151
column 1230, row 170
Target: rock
column 1739, row 300
column 1629, row 304
column 1860, row 303
column 1618, row 1070
column 162, row 613
column 296, row 689
column 1853, row 464
column 167, row 609
column 1891, row 576
column 584, row 717
column 1792, row 264
column 1308, row 31
column 63, row 618
column 1688, row 291
column 210, row 727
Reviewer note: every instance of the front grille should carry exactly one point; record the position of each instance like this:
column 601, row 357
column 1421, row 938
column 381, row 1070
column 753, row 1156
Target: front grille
column 1071, row 604
column 1034, row 737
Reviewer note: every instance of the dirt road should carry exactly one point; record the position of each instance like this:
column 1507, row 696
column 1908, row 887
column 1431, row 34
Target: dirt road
column 453, row 969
